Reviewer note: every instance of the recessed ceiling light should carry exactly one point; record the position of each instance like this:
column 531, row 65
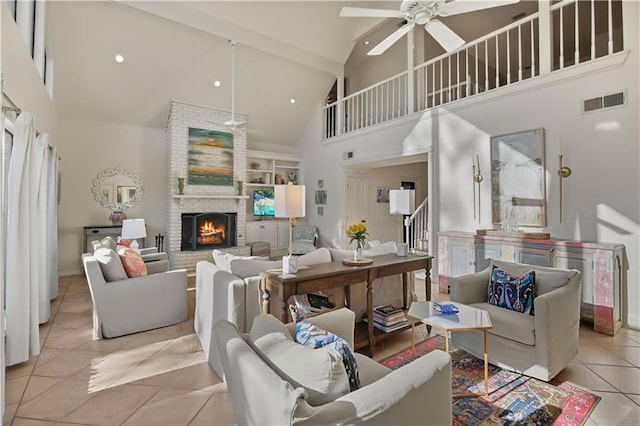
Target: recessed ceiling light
column 293, row 101
column 119, row 59
column 366, row 42
column 217, row 83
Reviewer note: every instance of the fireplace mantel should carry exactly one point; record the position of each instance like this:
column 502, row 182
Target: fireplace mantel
column 181, row 198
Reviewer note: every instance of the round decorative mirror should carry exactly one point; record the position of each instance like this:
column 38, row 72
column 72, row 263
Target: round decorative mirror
column 117, row 189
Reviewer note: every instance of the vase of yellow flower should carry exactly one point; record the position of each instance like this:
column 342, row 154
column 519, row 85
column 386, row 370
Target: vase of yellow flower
column 357, row 232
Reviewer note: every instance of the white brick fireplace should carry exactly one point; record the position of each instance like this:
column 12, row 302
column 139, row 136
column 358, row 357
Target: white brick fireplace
column 200, row 198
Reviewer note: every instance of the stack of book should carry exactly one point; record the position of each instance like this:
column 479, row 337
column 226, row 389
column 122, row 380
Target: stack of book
column 388, row 318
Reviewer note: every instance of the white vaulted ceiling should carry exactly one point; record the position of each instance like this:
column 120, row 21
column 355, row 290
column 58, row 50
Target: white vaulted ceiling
column 176, row 50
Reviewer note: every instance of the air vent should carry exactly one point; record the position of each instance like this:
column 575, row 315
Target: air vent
column 601, row 102
column 348, row 155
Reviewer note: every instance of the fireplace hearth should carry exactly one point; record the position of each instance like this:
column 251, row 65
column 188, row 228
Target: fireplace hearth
column 205, row 231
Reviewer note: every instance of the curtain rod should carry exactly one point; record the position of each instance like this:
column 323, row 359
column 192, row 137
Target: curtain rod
column 12, row 105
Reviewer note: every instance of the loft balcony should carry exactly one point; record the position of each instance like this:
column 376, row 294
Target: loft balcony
column 564, row 34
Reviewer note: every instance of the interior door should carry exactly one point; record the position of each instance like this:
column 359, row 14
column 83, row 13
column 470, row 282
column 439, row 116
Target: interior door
column 355, row 201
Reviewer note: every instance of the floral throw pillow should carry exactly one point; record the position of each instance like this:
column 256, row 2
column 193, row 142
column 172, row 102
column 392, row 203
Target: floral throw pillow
column 312, row 336
column 513, row 293
column 133, row 264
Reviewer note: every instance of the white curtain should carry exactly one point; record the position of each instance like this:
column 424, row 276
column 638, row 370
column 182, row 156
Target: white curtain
column 30, row 218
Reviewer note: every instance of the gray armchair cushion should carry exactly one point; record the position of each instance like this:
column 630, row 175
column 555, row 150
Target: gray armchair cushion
column 304, row 239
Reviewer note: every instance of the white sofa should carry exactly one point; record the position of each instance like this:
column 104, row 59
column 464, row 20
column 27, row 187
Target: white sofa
column 539, row 345
column 230, row 289
column 263, row 391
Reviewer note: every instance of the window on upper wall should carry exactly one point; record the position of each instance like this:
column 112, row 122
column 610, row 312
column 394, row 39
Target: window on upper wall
column 12, row 8
column 30, row 19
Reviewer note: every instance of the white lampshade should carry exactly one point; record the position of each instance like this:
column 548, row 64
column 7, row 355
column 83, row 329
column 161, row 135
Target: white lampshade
column 402, row 201
column 132, row 229
column 290, row 200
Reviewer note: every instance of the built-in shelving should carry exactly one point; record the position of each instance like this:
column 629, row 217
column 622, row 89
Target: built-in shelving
column 265, row 169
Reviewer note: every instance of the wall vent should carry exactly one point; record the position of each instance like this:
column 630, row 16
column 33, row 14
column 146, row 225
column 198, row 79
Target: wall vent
column 607, row 101
column 348, row 155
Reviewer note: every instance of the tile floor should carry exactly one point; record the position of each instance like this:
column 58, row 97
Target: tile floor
column 161, row 377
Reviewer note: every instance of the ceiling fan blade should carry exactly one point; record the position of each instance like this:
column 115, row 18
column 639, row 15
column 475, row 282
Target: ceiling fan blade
column 392, row 38
column 444, row 35
column 463, row 6
column 362, row 12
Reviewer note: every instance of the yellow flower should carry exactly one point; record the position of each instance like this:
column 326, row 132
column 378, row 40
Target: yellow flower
column 357, row 232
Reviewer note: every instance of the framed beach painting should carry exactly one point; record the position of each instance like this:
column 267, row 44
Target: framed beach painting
column 518, row 185
column 210, row 158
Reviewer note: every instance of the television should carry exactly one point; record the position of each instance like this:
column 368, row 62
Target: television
column 264, row 203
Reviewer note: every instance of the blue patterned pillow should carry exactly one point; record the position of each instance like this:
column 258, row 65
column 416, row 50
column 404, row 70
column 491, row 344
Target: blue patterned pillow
column 514, row 293
column 312, row 336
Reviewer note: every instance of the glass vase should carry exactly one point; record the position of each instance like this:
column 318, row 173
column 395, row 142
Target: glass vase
column 357, row 253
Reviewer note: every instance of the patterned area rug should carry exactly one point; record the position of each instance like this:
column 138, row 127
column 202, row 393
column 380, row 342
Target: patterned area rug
column 513, row 399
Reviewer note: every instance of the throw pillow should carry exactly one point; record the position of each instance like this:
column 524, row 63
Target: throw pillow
column 513, row 293
column 132, row 262
column 110, row 264
column 108, row 242
column 319, row 255
column 319, row 371
column 312, row 336
column 223, row 259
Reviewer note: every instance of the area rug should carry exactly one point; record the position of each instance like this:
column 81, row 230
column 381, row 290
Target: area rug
column 513, row 399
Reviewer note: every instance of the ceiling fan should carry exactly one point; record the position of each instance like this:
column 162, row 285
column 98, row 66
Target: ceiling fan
column 233, row 123
column 424, row 13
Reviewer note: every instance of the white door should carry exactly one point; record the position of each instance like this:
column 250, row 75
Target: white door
column 355, row 198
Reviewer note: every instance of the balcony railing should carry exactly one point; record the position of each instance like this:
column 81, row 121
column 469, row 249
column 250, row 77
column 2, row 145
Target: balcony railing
column 580, row 31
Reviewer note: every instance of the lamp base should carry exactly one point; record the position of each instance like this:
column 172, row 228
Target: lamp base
column 135, row 246
column 289, row 264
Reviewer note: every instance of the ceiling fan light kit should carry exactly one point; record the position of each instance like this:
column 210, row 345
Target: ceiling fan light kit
column 424, row 12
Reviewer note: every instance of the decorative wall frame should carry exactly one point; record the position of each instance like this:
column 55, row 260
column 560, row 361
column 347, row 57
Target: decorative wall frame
column 382, row 194
column 210, row 158
column 321, row 196
column 518, row 183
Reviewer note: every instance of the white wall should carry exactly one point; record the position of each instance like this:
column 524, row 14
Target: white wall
column 602, row 197
column 89, row 147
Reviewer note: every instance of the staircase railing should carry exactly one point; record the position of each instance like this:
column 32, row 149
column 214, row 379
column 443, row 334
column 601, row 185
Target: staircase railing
column 415, row 227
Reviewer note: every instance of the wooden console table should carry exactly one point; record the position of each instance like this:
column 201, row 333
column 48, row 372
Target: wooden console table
column 334, row 275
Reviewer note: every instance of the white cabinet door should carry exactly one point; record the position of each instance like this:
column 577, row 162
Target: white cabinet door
column 262, row 231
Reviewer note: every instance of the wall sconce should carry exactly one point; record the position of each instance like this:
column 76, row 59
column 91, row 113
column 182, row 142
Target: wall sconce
column 564, row 172
column 477, row 178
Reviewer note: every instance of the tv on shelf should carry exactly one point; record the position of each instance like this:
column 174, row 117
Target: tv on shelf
column 264, row 203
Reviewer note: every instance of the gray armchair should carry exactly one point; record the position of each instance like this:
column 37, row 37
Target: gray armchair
column 304, row 239
column 136, row 304
column 539, row 345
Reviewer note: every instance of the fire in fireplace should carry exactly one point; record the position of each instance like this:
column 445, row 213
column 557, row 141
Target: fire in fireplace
column 203, row 231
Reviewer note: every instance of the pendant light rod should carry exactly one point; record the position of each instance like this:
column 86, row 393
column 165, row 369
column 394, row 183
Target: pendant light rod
column 233, row 79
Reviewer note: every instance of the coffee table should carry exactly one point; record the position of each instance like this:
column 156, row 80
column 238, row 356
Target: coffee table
column 468, row 319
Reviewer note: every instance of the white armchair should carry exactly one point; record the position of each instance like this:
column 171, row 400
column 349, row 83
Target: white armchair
column 539, row 345
column 416, row 394
column 135, row 304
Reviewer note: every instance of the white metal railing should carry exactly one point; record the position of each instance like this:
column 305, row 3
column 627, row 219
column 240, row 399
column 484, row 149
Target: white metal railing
column 587, row 28
column 502, row 57
column 415, row 227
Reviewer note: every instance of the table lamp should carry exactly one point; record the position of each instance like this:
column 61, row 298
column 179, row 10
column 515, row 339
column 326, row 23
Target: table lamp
column 290, row 203
column 402, row 201
column 133, row 229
